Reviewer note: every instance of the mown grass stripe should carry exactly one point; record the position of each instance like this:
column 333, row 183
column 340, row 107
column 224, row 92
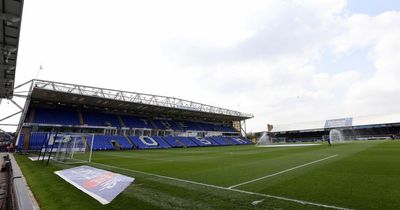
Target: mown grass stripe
column 281, row 172
column 225, row 188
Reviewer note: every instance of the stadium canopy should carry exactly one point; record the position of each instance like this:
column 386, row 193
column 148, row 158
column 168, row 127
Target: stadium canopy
column 11, row 13
column 118, row 101
column 362, row 121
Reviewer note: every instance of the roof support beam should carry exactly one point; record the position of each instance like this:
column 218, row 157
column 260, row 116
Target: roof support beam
column 12, row 115
column 156, row 102
column 17, row 105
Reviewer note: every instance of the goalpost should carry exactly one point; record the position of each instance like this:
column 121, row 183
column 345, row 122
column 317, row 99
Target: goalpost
column 70, row 148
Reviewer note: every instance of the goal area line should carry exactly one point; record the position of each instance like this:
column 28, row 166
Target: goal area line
column 225, row 188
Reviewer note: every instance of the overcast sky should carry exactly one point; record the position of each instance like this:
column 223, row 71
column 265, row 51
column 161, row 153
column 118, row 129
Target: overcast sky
column 284, row 61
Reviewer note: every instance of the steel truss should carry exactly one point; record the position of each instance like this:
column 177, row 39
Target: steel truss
column 140, row 98
column 25, row 90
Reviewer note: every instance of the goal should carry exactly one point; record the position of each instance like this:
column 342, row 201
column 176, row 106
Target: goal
column 71, row 148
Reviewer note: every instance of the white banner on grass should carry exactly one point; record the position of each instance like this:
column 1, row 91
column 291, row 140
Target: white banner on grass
column 102, row 185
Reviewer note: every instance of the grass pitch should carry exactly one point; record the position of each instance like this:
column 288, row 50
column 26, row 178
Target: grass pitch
column 357, row 175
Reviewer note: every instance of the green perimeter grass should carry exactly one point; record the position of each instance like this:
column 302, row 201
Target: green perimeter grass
column 364, row 175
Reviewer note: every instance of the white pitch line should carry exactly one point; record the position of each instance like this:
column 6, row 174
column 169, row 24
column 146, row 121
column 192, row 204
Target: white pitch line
column 281, row 172
column 228, row 189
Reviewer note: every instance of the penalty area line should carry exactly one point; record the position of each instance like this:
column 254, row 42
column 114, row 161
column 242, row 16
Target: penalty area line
column 281, row 172
column 225, row 188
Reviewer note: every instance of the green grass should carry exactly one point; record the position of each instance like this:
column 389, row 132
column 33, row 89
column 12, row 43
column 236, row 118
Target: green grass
column 364, row 175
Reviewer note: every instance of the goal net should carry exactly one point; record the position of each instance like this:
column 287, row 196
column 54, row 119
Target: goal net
column 71, row 148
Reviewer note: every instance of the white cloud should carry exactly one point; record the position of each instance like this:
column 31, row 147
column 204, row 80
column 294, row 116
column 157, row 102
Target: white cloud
column 342, row 80
column 253, row 56
column 379, row 93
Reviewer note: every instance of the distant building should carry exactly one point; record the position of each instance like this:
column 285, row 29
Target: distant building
column 353, row 128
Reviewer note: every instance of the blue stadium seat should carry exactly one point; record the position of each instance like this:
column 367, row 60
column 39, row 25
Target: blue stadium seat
column 240, row 140
column 178, row 141
column 136, row 122
column 104, row 142
column 186, row 141
column 161, row 142
column 203, row 142
column 37, row 140
column 222, row 128
column 147, row 142
column 188, row 125
column 222, row 140
column 100, row 119
column 70, row 117
column 56, row 116
column 21, row 141
column 121, row 140
column 167, row 124
column 173, row 141
column 101, row 142
column 201, row 126
column 225, row 128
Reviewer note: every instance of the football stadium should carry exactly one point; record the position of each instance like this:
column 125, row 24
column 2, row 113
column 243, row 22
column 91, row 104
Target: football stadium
column 78, row 146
